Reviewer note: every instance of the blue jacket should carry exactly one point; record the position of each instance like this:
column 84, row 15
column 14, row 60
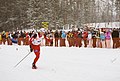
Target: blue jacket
column 102, row 36
column 63, row 35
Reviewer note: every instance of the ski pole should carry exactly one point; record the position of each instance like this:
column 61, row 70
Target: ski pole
column 21, row 60
column 115, row 59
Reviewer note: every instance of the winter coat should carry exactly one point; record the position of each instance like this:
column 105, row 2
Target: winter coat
column 93, row 34
column 14, row 40
column 80, row 35
column 76, row 35
column 107, row 35
column 102, row 37
column 56, row 35
column 70, row 35
column 85, row 35
column 115, row 34
column 63, row 35
column 0, row 37
column 3, row 35
column 89, row 35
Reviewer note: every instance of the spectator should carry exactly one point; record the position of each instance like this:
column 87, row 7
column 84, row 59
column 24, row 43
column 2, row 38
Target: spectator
column 102, row 39
column 108, row 39
column 115, row 38
column 56, row 36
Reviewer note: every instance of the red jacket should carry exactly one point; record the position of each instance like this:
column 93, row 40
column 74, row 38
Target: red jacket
column 85, row 35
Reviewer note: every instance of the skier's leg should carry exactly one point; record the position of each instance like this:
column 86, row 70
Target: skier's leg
column 36, row 59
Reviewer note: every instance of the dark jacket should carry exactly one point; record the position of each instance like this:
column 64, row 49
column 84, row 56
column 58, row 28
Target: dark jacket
column 115, row 34
column 56, row 35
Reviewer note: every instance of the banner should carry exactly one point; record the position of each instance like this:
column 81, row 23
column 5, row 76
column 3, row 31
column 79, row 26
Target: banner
column 45, row 25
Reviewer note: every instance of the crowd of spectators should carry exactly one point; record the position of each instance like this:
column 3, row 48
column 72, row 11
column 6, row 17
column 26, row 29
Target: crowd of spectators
column 85, row 37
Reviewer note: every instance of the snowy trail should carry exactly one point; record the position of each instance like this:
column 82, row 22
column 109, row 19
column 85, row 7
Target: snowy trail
column 60, row 64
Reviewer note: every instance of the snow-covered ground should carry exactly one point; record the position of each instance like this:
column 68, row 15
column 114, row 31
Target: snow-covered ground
column 60, row 64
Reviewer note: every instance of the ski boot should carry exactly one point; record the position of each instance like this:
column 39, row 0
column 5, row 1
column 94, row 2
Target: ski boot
column 34, row 66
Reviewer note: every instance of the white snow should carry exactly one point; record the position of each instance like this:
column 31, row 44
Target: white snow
column 60, row 64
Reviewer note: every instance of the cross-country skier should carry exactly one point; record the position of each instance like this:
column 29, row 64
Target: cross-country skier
column 36, row 41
